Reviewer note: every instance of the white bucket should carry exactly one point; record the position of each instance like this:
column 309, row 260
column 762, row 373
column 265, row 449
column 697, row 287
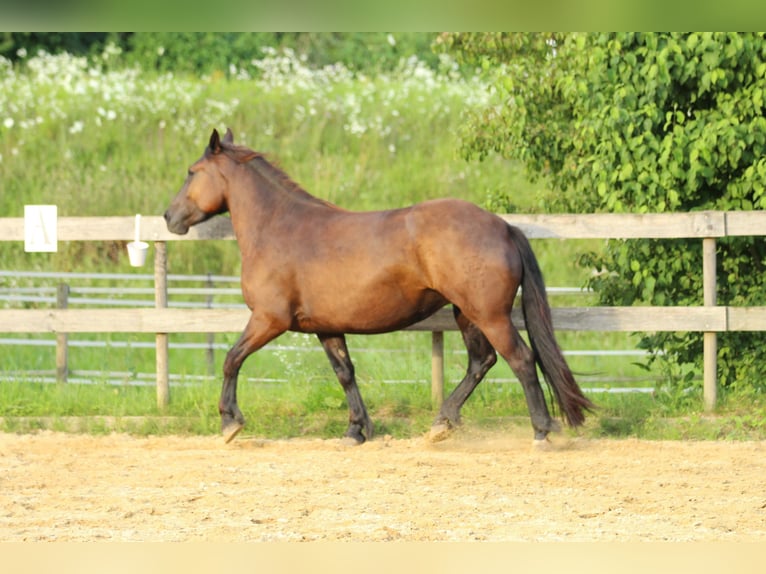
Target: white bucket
column 137, row 249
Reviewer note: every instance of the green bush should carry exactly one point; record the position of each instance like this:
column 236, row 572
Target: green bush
column 641, row 123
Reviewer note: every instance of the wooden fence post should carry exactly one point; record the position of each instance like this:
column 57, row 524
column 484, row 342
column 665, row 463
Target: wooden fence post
column 62, row 339
column 160, row 302
column 210, row 352
column 437, row 368
column 710, row 339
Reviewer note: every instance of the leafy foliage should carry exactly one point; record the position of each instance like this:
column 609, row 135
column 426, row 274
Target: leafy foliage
column 639, row 123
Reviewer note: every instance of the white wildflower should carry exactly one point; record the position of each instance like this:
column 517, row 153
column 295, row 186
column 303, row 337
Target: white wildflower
column 111, row 49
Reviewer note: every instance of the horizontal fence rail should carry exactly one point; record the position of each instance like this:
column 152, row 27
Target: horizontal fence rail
column 161, row 320
column 627, row 319
column 586, row 226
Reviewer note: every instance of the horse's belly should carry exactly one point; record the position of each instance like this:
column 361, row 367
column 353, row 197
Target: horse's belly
column 366, row 315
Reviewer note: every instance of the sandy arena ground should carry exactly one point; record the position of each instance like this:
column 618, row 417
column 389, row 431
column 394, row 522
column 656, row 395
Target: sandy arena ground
column 67, row 487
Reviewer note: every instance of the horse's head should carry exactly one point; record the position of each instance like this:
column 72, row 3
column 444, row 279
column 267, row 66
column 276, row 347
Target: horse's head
column 202, row 195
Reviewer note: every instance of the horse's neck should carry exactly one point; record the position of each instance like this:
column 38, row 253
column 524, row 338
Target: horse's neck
column 261, row 199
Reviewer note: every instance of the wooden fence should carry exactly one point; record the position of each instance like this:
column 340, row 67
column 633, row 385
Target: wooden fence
column 709, row 319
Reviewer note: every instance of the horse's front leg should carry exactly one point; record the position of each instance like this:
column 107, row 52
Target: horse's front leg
column 358, row 419
column 259, row 331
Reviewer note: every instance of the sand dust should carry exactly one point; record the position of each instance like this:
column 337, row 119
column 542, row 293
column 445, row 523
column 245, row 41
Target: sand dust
column 475, row 486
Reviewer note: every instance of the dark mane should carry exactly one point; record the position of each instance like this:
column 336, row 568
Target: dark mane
column 269, row 171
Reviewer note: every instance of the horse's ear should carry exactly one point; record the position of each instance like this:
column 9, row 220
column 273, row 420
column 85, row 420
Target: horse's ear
column 228, row 137
column 215, row 142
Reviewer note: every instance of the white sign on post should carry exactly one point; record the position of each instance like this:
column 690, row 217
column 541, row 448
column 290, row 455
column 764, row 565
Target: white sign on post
column 40, row 228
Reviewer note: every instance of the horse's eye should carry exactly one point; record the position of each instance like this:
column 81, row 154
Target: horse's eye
column 190, row 173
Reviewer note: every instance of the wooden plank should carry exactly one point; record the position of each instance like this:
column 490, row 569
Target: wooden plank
column 584, row 226
column 153, row 228
column 161, row 355
column 62, row 339
column 745, row 223
column 622, row 225
column 120, row 228
column 746, row 318
column 709, row 340
column 143, row 320
column 647, row 319
column 593, row 226
column 437, row 369
column 640, row 319
column 12, row 229
column 627, row 319
column 218, row 228
column 98, row 228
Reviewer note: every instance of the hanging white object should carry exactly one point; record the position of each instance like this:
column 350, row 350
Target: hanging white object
column 137, row 249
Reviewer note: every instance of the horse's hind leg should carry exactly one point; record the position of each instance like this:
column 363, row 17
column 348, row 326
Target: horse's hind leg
column 508, row 342
column 358, row 419
column 481, row 358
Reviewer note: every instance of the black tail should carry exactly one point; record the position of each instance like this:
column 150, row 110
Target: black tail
column 537, row 316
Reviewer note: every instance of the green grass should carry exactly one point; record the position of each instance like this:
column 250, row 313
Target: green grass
column 317, row 408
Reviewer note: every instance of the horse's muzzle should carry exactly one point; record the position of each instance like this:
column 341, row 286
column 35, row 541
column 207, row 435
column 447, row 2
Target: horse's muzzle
column 175, row 224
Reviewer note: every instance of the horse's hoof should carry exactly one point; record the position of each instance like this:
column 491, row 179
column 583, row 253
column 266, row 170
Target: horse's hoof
column 231, row 430
column 542, row 444
column 439, row 432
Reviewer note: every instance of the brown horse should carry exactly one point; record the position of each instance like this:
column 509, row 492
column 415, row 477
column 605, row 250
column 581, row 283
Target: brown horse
column 312, row 267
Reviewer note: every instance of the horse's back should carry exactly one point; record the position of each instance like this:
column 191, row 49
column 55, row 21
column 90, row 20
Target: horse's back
column 456, row 216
